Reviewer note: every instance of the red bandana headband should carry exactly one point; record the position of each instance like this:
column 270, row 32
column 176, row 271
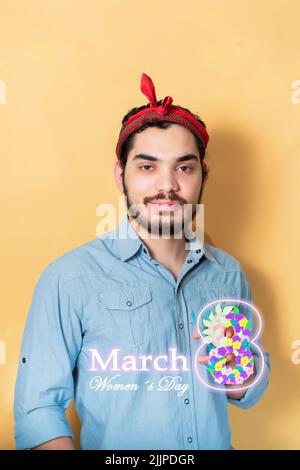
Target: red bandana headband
column 166, row 112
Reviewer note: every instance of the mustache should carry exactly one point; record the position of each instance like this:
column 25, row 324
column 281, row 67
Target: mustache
column 171, row 197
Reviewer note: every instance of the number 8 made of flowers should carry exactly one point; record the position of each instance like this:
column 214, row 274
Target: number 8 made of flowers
column 227, row 335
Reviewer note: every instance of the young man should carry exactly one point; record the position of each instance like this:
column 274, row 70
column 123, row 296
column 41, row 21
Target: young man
column 132, row 297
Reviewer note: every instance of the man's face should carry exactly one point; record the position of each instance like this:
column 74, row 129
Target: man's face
column 162, row 174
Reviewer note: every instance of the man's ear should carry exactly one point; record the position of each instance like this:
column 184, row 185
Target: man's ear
column 205, row 168
column 118, row 176
column 205, row 171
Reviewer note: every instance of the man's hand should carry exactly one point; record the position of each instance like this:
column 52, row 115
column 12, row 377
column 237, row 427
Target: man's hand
column 231, row 392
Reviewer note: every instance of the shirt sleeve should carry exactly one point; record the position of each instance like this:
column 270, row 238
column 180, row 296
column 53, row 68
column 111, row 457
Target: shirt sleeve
column 44, row 385
column 254, row 393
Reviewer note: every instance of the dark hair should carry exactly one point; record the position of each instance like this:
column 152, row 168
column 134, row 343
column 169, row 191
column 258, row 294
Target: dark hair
column 128, row 144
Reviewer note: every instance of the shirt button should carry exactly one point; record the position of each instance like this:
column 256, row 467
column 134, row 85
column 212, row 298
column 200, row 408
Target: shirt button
column 190, row 439
column 189, row 261
column 23, row 360
column 181, row 325
column 186, row 401
column 129, row 303
column 144, row 249
column 198, row 251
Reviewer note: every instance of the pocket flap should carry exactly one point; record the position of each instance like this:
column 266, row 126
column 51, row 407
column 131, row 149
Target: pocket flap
column 126, row 298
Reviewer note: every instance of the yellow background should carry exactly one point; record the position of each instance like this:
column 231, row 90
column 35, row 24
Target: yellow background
column 72, row 69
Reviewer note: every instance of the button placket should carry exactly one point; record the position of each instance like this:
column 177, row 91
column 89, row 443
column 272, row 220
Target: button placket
column 189, row 425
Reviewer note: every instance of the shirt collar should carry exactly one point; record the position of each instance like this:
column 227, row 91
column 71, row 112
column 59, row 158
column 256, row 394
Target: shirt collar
column 129, row 242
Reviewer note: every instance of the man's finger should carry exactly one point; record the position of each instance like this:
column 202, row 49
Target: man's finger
column 203, row 359
column 196, row 334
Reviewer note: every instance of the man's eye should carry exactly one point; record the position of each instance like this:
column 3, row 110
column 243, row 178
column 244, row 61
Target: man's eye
column 143, row 166
column 185, row 166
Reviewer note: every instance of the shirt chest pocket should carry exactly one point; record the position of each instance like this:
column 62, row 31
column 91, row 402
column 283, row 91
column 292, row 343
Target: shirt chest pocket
column 130, row 314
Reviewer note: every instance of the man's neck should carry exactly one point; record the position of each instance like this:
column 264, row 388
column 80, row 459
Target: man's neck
column 171, row 252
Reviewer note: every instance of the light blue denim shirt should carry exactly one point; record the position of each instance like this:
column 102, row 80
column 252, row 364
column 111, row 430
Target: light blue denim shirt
column 110, row 294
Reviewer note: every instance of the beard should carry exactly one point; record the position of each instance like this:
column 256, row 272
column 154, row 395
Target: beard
column 160, row 223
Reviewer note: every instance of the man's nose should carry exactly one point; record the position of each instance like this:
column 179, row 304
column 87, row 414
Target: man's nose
column 167, row 181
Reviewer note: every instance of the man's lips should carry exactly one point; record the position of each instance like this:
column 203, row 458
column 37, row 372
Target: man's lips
column 165, row 205
column 164, row 202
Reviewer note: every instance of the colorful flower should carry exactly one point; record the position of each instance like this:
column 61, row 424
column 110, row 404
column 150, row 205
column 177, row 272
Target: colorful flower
column 218, row 366
column 245, row 360
column 243, row 322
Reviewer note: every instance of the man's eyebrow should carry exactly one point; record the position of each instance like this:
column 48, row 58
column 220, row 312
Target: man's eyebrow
column 183, row 158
